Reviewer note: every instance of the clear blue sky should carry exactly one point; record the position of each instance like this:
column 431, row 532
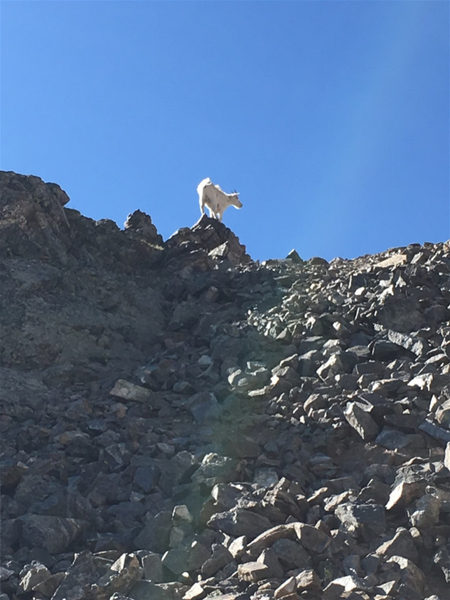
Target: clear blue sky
column 331, row 118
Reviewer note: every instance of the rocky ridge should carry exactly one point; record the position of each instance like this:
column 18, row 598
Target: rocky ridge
column 179, row 422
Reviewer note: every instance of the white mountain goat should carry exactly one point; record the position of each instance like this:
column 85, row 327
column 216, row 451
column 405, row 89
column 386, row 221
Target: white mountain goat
column 215, row 199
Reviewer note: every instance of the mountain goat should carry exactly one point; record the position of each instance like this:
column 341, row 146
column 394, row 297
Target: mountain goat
column 215, row 199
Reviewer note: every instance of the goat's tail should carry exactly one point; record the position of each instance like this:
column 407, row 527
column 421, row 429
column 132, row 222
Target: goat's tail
column 203, row 184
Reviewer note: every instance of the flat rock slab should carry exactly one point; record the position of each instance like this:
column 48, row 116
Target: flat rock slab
column 253, row 571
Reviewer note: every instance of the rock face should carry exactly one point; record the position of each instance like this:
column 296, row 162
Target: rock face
column 180, row 422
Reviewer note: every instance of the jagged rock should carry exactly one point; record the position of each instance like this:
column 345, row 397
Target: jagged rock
column 48, row 586
column 54, row 534
column 401, row 544
column 368, row 520
column 32, row 217
column 286, row 589
column 142, row 590
column 216, row 469
column 338, row 363
column 204, row 407
column 412, row 578
column 442, row 559
column 219, row 558
column 425, row 513
column 11, row 473
column 269, row 537
column 152, row 566
column 196, row 592
column 291, row 554
column 269, row 558
column 140, row 225
column 342, row 585
column 311, row 538
column 307, row 580
column 361, row 420
column 403, row 493
column 35, row 575
column 81, row 575
column 435, row 431
column 121, row 577
column 155, row 535
column 415, row 344
column 129, row 391
column 443, row 414
column 238, row 522
column 253, row 572
column 211, row 236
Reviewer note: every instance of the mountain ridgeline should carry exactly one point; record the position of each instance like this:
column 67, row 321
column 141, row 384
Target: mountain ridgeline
column 180, row 422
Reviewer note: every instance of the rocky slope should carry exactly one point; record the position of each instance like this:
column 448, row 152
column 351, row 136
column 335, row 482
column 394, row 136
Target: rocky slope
column 180, row 422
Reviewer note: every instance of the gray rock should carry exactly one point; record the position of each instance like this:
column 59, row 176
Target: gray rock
column 199, row 553
column 307, row 579
column 361, row 420
column 367, row 520
column 139, row 225
column 403, row 493
column 48, row 586
column 130, row 391
column 176, row 560
column 291, row 554
column 311, row 538
column 269, row 558
column 177, row 471
column 412, row 578
column 415, row 344
column 143, row 590
column 238, row 522
column 426, row 512
column 121, row 576
column 35, row 574
column 252, row 572
column 392, row 439
column 11, row 473
column 287, row 588
column 152, row 566
column 435, row 431
column 401, row 544
column 155, row 535
column 146, row 477
column 216, row 469
column 443, row 414
column 442, row 560
column 81, row 575
column 55, row 534
column 220, row 557
column 338, row 363
column 204, row 407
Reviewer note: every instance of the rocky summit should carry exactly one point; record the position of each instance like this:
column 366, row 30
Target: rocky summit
column 180, row 422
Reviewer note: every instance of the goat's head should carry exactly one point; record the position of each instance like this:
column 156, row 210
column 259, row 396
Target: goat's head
column 234, row 199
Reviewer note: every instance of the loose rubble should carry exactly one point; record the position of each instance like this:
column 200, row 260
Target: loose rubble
column 179, row 422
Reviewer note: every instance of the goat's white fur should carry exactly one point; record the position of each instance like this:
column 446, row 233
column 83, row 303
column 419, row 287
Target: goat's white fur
column 215, row 199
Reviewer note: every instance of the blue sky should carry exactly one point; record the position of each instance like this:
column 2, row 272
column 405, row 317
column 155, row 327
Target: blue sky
column 331, row 118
